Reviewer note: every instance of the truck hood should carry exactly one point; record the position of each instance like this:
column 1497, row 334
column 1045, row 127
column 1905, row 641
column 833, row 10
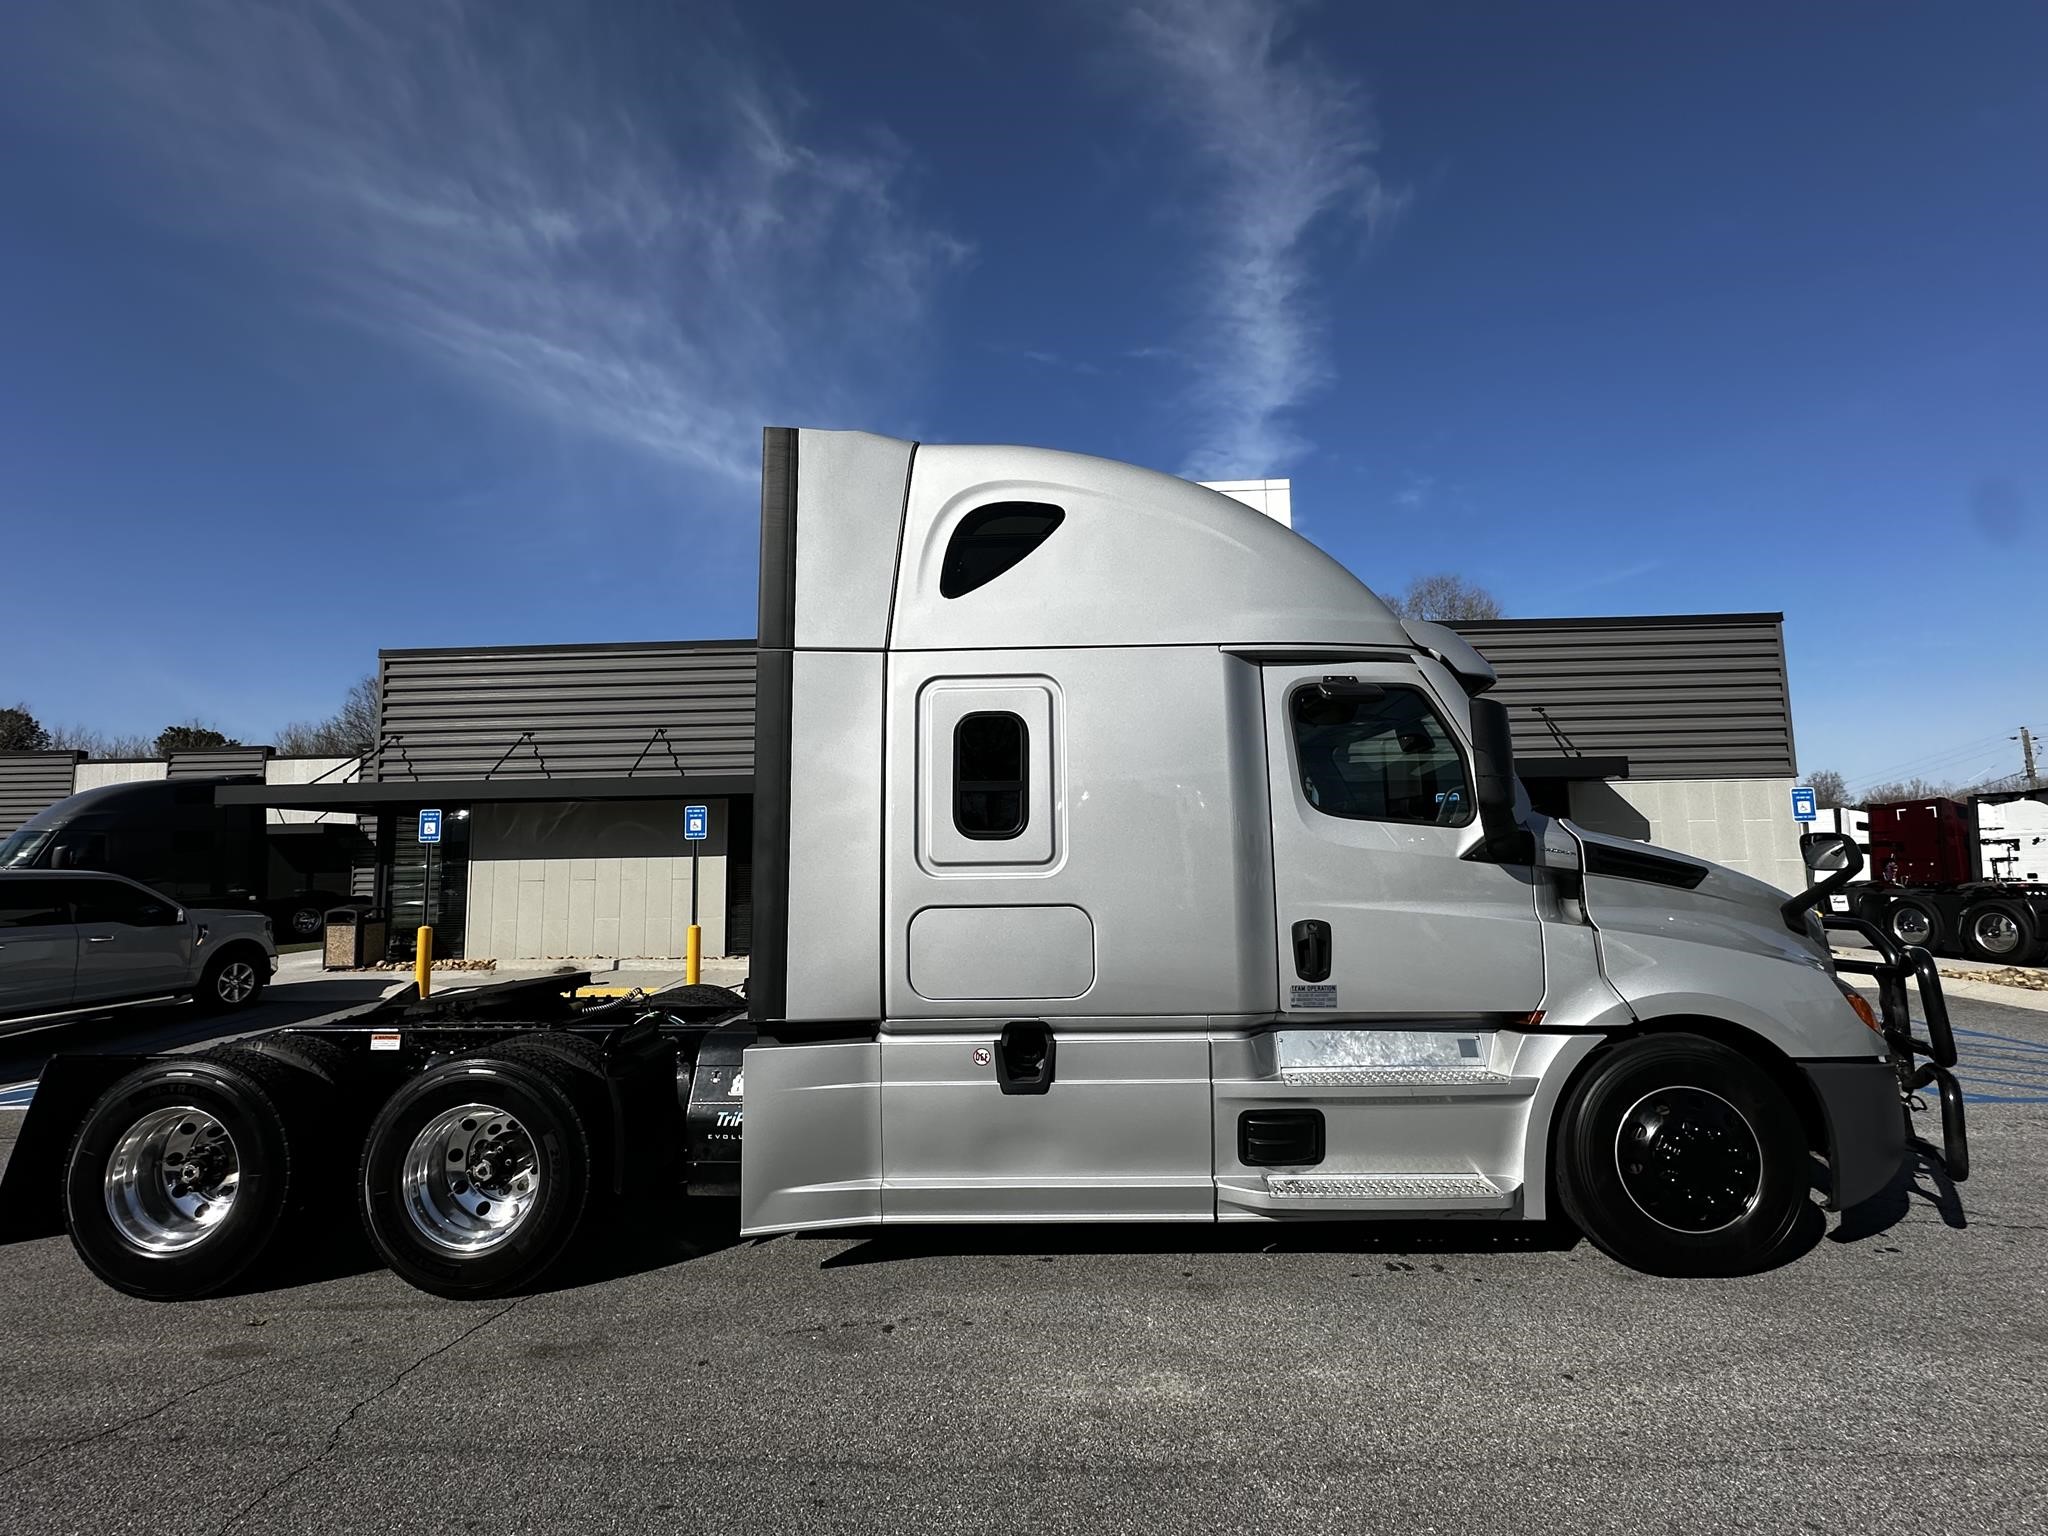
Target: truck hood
column 1696, row 885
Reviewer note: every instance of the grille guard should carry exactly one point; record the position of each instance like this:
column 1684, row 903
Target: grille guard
column 1898, row 962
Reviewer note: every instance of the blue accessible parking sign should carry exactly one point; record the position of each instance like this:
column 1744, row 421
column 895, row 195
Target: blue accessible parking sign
column 696, row 823
column 430, row 826
column 1804, row 805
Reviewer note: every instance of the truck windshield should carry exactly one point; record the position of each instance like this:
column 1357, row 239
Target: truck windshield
column 22, row 849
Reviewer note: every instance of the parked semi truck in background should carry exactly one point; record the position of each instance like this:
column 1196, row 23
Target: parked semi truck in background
column 1958, row 877
column 1118, row 857
column 171, row 836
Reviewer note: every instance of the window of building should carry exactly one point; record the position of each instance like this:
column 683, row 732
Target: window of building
column 993, row 538
column 991, row 775
column 1378, row 754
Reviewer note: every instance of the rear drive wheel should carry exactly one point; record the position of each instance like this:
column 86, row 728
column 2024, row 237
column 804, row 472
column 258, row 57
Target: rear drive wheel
column 233, row 979
column 2001, row 932
column 1679, row 1156
column 478, row 1174
column 178, row 1179
column 1914, row 922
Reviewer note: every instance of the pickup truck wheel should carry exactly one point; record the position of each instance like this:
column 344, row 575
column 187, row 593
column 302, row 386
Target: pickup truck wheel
column 1679, row 1156
column 477, row 1175
column 180, row 1175
column 1999, row 931
column 232, row 980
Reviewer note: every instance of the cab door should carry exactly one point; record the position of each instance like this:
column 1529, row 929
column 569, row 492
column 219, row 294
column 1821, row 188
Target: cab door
column 1385, row 904
column 38, row 947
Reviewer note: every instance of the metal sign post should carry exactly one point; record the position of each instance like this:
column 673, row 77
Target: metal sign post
column 696, row 827
column 423, row 948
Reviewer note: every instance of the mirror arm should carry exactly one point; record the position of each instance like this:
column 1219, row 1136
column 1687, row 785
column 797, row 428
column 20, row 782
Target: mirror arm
column 1796, row 909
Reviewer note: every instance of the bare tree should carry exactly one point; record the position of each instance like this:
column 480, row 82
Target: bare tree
column 1830, row 789
column 349, row 732
column 94, row 742
column 1915, row 788
column 21, row 731
column 1445, row 597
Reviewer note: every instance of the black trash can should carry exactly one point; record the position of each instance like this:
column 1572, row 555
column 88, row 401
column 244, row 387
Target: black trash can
column 355, row 938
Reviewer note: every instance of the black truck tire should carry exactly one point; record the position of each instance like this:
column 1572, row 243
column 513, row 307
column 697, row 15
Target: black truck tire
column 182, row 1174
column 1679, row 1156
column 233, row 979
column 1999, row 931
column 1911, row 921
column 478, row 1174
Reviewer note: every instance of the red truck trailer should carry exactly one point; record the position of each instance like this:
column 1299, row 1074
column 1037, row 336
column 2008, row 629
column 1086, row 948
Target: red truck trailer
column 1959, row 877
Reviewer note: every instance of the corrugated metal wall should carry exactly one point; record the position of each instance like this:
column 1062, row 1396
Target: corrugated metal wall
column 30, row 781
column 219, row 761
column 1686, row 697
column 592, row 711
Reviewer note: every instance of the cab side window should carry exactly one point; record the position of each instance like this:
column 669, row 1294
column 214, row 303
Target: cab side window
column 1368, row 753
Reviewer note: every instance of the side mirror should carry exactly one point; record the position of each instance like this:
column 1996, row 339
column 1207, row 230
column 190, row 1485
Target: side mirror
column 63, row 857
column 1839, row 857
column 1826, row 852
column 1493, row 775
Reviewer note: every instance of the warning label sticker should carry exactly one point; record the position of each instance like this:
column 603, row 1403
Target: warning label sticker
column 1322, row 994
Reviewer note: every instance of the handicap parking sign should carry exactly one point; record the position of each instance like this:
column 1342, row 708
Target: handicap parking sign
column 1805, row 807
column 696, row 823
column 430, row 826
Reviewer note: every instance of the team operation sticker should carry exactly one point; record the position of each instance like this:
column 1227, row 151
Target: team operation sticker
column 1321, row 994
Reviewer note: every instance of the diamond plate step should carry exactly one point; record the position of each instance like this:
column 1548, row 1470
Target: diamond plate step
column 1382, row 1077
column 1418, row 1189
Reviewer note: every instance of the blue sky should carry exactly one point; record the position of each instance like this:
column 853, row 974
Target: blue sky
column 330, row 327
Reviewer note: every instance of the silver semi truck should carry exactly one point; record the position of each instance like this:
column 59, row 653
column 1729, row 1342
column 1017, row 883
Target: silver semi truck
column 1118, row 857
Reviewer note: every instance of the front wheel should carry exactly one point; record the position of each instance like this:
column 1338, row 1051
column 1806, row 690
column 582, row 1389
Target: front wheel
column 1679, row 1156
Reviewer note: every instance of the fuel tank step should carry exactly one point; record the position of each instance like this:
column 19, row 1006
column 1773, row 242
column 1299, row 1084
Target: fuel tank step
column 1395, row 1191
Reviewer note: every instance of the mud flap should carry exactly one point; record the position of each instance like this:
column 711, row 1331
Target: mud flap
column 32, row 1189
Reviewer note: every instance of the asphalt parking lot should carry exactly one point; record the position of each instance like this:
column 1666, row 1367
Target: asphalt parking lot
column 1156, row 1380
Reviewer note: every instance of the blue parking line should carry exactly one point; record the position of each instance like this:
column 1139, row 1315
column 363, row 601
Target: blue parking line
column 17, row 1095
column 2024, row 1045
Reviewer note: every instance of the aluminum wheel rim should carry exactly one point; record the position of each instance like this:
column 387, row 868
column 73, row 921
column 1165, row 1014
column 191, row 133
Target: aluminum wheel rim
column 172, row 1179
column 237, row 979
column 1689, row 1160
column 1996, row 932
column 1910, row 926
column 471, row 1178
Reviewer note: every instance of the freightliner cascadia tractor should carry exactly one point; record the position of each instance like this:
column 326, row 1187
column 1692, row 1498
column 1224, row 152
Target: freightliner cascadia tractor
column 1118, row 857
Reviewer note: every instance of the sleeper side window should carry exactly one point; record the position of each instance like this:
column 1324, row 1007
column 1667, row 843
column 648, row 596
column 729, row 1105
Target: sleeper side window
column 1368, row 753
column 991, row 775
column 991, row 539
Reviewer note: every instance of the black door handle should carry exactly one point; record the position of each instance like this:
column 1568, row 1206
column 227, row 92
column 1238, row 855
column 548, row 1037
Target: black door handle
column 1024, row 1053
column 1312, row 949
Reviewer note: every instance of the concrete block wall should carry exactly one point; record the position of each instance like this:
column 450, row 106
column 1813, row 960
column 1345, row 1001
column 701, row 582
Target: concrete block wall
column 1745, row 824
column 554, row 880
column 93, row 774
column 310, row 770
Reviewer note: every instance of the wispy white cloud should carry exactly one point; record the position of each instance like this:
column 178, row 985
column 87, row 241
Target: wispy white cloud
column 1286, row 144
column 642, row 237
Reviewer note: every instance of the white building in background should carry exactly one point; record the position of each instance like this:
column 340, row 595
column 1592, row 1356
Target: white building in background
column 1275, row 498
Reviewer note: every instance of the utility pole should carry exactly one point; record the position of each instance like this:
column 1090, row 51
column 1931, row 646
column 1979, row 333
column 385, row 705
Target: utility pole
column 2026, row 739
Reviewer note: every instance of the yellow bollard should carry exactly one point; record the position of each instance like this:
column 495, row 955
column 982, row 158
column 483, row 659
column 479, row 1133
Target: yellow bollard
column 423, row 960
column 693, row 954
